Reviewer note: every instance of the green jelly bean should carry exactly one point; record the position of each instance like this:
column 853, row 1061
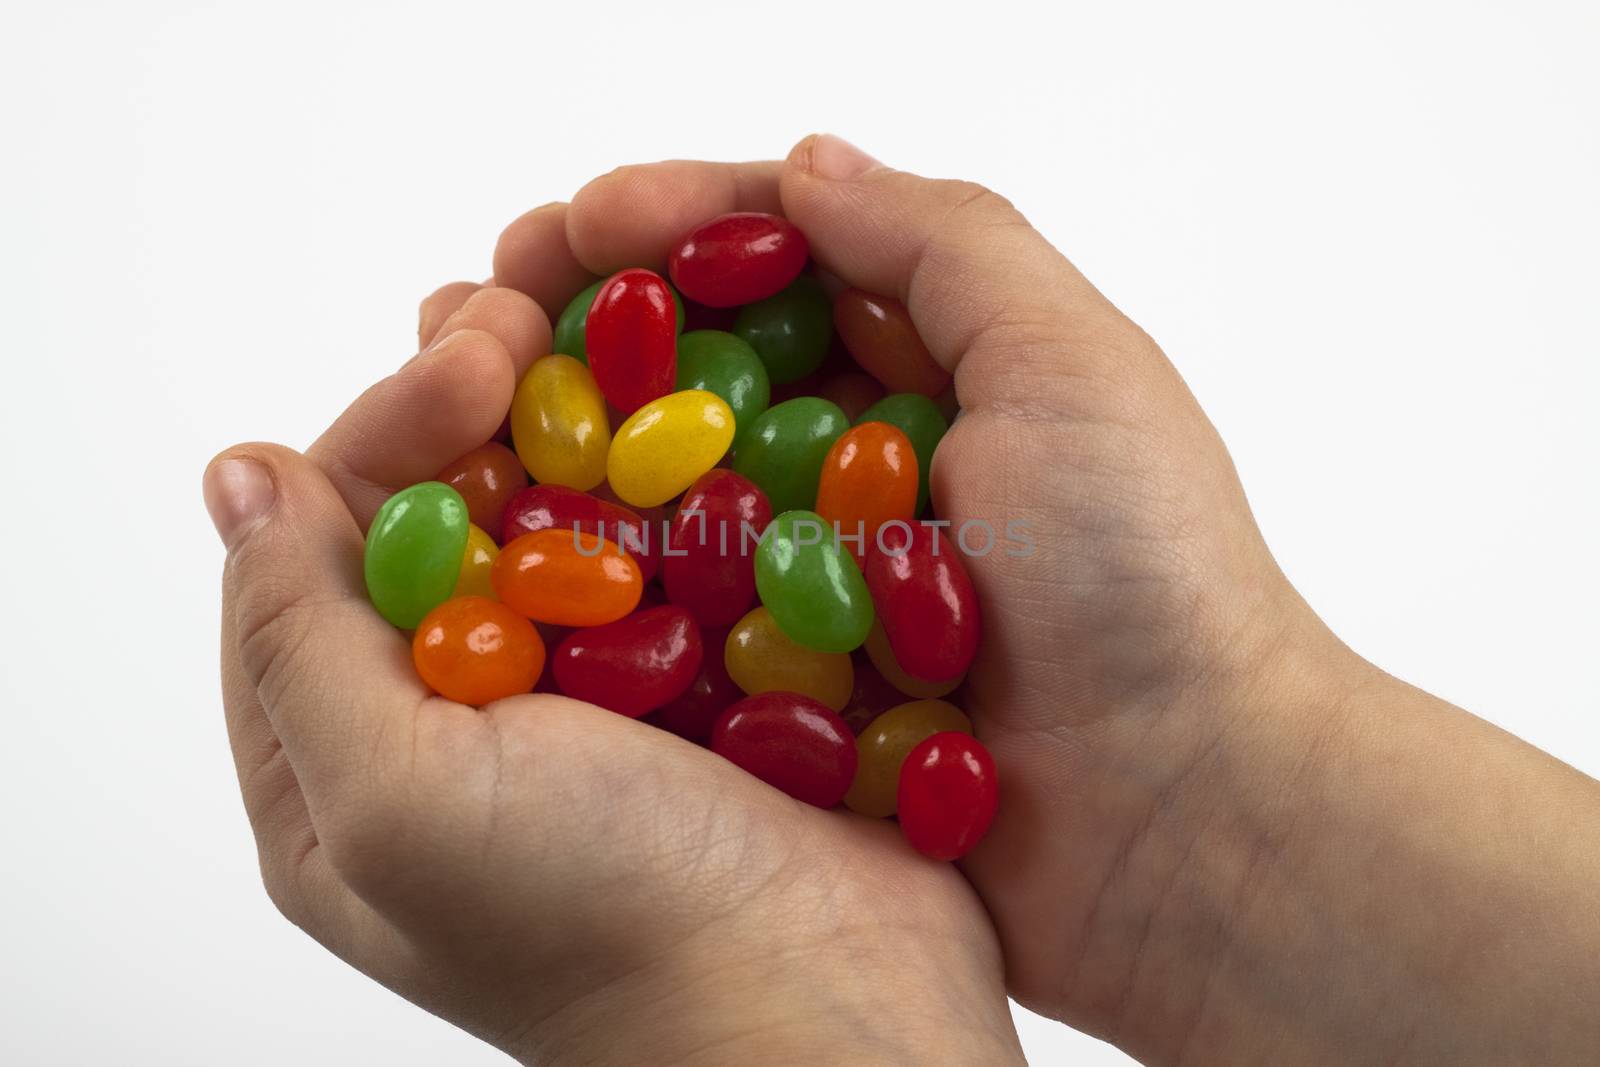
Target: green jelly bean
column 569, row 336
column 921, row 421
column 414, row 552
column 789, row 330
column 811, row 585
column 784, row 448
column 721, row 363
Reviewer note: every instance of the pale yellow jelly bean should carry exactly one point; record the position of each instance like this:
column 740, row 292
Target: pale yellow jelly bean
column 559, row 425
column 883, row 746
column 882, row 657
column 476, row 564
column 667, row 444
column 760, row 658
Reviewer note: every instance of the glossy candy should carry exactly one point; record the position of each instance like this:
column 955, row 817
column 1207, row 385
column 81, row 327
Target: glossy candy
column 789, row 330
column 696, row 710
column 948, row 794
column 883, row 746
column 784, row 450
column 633, row 665
column 721, row 363
column 414, row 550
column 710, row 565
column 791, row 742
column 870, row 696
column 882, row 659
column 566, row 578
column 921, row 421
column 811, row 585
column 559, row 424
column 737, row 258
column 926, row 601
column 664, row 446
column 853, row 391
column 761, row 658
column 542, row 507
column 475, row 651
column 477, row 563
column 868, row 478
column 487, row 477
column 574, row 320
column 631, row 339
column 880, row 335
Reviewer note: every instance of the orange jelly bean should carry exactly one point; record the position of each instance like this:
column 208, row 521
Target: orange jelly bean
column 567, row 577
column 475, row 651
column 880, row 335
column 883, row 746
column 868, row 478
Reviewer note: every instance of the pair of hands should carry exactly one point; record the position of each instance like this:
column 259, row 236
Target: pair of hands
column 1223, row 836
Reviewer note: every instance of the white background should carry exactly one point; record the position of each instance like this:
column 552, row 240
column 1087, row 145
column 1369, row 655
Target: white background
column 1366, row 234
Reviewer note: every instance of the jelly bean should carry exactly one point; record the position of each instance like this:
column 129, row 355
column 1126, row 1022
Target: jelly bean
column 948, row 794
column 414, row 550
column 919, row 419
column 570, row 327
column 696, row 710
column 853, row 391
column 789, row 330
column 634, row 665
column 559, row 425
column 475, row 651
column 723, row 364
column 486, row 478
column 665, row 445
column 880, row 335
column 785, row 447
column 709, row 567
column 868, row 478
column 737, row 259
column 791, row 742
column 702, row 317
column 477, row 561
column 926, row 601
column 761, row 658
column 631, row 339
column 811, row 585
column 806, row 386
column 542, row 507
column 566, row 577
column 883, row 746
column 871, row 696
column 882, row 658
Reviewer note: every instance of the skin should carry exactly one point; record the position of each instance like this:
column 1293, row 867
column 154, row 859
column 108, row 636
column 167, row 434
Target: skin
column 1224, row 837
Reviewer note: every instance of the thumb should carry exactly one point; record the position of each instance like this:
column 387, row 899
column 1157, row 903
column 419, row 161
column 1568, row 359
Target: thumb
column 995, row 303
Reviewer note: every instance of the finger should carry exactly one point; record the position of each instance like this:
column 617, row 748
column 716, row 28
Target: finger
column 450, row 399
column 532, row 257
column 438, row 306
column 333, row 680
column 512, row 317
column 632, row 216
column 995, row 303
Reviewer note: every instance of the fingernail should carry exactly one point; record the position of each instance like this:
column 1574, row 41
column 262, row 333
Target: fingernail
column 836, row 159
column 239, row 493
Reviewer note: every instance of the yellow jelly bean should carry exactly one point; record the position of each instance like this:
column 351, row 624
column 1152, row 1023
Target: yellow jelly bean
column 667, row 444
column 476, row 563
column 761, row 659
column 884, row 745
column 559, row 425
column 882, row 656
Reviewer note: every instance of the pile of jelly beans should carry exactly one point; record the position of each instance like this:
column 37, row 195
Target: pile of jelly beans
column 717, row 530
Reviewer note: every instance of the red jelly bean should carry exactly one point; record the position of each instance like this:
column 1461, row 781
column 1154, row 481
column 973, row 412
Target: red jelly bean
column 633, row 665
column 853, row 391
column 880, row 335
column 948, row 795
column 487, row 478
column 694, row 712
column 792, row 742
column 925, row 601
column 871, row 696
column 540, row 507
column 709, row 566
column 632, row 339
column 737, row 259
